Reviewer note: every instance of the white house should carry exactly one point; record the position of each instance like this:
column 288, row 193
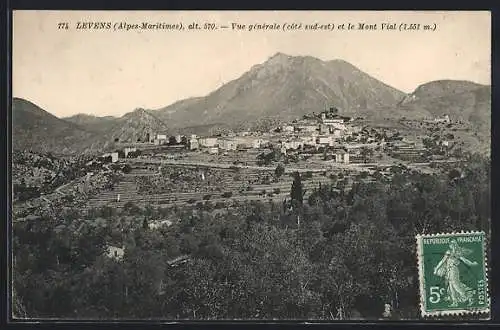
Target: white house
column 324, row 140
column 228, row 144
column 213, row 150
column 113, row 155
column 445, row 119
column 193, row 144
column 309, row 140
column 308, row 128
column 329, row 121
column 294, row 144
column 159, row 224
column 114, row 252
column 161, row 137
column 337, row 133
column 341, row 156
column 289, row 128
column 259, row 143
column 208, row 142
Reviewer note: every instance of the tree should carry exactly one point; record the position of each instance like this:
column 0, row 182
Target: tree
column 297, row 194
column 279, row 171
column 127, row 168
column 172, row 140
column 365, row 153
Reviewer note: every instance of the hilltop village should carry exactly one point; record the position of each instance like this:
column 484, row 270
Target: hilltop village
column 223, row 169
column 326, row 136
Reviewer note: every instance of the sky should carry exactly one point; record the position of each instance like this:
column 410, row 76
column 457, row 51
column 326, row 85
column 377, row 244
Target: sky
column 111, row 72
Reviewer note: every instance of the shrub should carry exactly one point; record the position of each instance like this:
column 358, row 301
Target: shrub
column 227, row 194
column 308, row 175
column 220, row 205
column 279, row 171
column 127, row 169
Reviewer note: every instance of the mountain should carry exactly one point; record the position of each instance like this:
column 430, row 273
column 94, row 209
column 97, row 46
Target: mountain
column 440, row 88
column 92, row 123
column 284, row 87
column 461, row 100
column 37, row 130
column 135, row 126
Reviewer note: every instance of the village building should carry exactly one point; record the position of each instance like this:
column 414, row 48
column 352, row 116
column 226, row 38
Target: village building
column 445, row 119
column 113, row 155
column 159, row 224
column 160, row 139
column 289, row 128
column 228, row 144
column 213, row 150
column 178, row 138
column 309, row 140
column 292, row 144
column 307, row 128
column 193, row 143
column 324, row 129
column 259, row 143
column 342, row 156
column 324, row 140
column 247, row 143
column 337, row 133
column 208, row 142
column 128, row 150
column 446, row 143
column 114, row 252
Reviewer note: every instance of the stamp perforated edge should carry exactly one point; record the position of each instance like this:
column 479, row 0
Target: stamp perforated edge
column 478, row 311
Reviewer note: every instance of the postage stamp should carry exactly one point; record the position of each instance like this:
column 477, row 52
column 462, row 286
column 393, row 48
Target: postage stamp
column 453, row 274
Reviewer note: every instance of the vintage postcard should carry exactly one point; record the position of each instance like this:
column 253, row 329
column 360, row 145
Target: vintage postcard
column 250, row 165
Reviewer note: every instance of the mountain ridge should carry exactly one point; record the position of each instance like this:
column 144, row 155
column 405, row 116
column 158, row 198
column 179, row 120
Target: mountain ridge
column 286, row 86
column 281, row 89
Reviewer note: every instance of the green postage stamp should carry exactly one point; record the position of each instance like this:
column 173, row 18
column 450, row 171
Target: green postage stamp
column 453, row 274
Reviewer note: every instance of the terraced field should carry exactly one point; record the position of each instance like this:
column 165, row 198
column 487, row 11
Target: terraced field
column 248, row 187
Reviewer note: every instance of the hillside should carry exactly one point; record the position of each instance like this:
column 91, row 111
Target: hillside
column 92, row 123
column 440, row 88
column 135, row 126
column 462, row 101
column 37, row 130
column 284, row 87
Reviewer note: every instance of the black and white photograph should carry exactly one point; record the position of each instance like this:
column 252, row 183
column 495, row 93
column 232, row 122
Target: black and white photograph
column 248, row 165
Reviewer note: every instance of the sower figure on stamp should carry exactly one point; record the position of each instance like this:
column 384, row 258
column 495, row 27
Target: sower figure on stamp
column 447, row 268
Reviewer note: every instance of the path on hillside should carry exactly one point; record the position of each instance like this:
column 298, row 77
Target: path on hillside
column 229, row 166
